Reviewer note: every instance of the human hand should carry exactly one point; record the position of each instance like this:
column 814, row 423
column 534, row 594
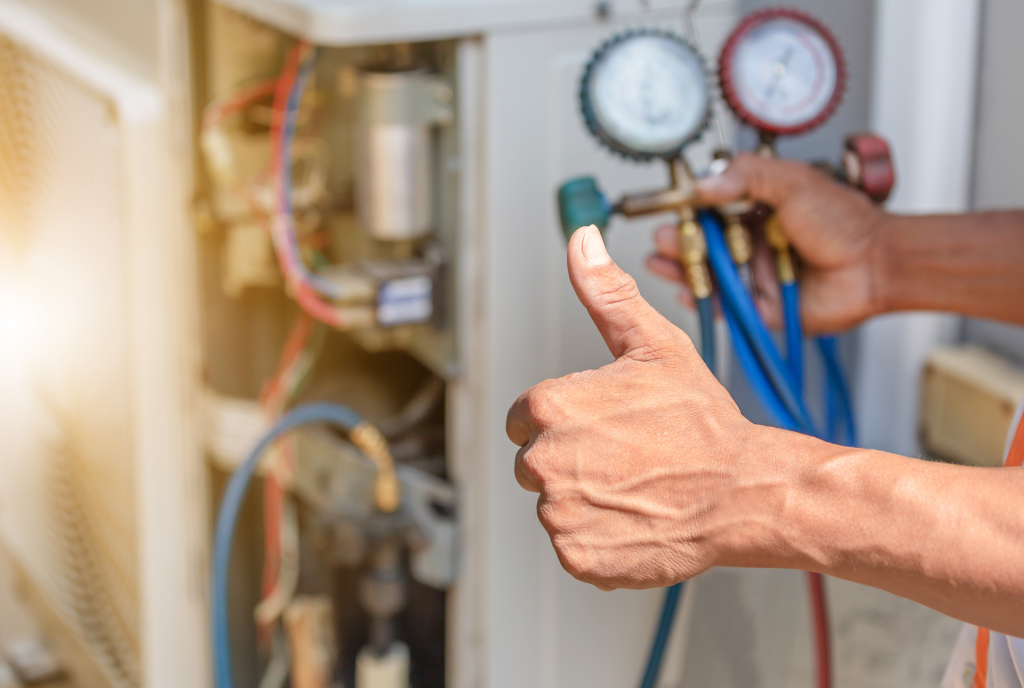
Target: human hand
column 836, row 231
column 639, row 464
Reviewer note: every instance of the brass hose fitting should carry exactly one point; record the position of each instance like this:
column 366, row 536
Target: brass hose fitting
column 386, row 490
column 693, row 253
column 738, row 238
column 776, row 238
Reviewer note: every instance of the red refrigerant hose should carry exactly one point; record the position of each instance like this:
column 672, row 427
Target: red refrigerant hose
column 819, row 609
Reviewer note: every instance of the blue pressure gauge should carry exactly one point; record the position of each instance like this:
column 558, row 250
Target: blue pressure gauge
column 645, row 94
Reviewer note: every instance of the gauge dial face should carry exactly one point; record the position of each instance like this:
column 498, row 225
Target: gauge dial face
column 647, row 94
column 782, row 72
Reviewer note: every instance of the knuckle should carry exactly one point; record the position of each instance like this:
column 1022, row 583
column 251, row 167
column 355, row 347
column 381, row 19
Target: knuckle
column 552, row 516
column 531, row 463
column 543, row 403
column 576, row 562
column 619, row 287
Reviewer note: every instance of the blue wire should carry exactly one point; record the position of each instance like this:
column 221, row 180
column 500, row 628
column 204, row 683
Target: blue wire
column 291, row 115
column 227, row 519
column 705, row 309
column 759, row 382
column 794, row 333
column 736, row 297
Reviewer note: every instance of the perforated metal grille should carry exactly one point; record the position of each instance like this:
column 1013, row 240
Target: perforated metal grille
column 67, row 479
column 17, row 158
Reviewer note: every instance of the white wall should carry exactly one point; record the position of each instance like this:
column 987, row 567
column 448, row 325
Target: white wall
column 924, row 89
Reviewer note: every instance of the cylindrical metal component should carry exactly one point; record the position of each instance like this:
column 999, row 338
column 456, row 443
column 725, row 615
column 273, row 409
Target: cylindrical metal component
column 382, row 587
column 776, row 238
column 693, row 251
column 387, row 669
column 738, row 238
column 394, row 151
column 393, row 181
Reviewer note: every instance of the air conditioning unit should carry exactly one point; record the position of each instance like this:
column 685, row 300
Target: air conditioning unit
column 121, row 415
column 102, row 501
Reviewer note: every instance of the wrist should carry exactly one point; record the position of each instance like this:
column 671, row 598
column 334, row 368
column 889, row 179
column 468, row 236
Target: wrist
column 770, row 516
column 884, row 227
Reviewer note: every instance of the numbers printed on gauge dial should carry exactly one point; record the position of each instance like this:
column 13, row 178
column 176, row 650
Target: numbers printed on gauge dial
column 646, row 94
column 782, row 72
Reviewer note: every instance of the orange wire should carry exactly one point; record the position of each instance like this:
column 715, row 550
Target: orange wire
column 306, row 296
column 273, row 398
column 217, row 111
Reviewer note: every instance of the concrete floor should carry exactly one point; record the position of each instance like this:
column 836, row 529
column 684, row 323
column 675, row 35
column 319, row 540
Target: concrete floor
column 751, row 629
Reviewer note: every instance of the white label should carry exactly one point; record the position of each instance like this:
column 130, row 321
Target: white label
column 404, row 301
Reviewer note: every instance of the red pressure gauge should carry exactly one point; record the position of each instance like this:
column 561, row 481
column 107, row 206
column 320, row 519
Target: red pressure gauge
column 782, row 72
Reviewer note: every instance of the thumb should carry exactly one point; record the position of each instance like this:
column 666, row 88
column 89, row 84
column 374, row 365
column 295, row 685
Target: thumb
column 749, row 176
column 627, row 322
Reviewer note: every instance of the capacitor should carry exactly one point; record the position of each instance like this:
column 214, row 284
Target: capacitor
column 394, row 151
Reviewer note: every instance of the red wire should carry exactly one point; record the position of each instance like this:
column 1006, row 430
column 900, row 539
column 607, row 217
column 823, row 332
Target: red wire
column 218, row 110
column 307, row 298
column 819, row 608
column 283, row 88
column 293, row 346
column 272, row 400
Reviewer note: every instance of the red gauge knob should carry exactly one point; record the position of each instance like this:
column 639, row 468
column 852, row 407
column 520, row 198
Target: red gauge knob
column 867, row 162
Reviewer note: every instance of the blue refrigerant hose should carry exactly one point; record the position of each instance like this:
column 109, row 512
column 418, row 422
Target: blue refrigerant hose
column 706, row 312
column 794, row 333
column 755, row 375
column 838, row 405
column 777, row 384
column 227, row 519
column 736, row 298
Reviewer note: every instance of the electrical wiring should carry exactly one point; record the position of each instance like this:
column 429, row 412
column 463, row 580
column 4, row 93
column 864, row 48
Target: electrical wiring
column 276, row 674
column 272, row 606
column 311, row 291
column 217, row 149
column 227, row 519
column 219, row 110
column 299, row 354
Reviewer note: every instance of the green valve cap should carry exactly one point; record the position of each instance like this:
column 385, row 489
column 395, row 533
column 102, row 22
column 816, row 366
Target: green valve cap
column 581, row 203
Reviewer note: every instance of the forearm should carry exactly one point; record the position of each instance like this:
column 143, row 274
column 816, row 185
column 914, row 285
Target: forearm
column 967, row 264
column 949, row 537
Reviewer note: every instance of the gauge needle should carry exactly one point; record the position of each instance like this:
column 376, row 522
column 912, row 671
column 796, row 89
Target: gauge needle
column 779, row 68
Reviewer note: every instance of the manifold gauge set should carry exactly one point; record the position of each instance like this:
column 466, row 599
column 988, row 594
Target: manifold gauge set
column 648, row 94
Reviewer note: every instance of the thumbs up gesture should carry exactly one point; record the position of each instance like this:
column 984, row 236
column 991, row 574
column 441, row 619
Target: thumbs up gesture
column 636, row 463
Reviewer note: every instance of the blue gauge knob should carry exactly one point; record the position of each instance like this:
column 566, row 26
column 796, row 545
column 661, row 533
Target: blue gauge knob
column 582, row 203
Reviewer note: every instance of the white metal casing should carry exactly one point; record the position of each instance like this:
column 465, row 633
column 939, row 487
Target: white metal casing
column 101, row 492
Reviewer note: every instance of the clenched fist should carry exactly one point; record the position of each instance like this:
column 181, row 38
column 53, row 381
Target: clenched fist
column 640, row 463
